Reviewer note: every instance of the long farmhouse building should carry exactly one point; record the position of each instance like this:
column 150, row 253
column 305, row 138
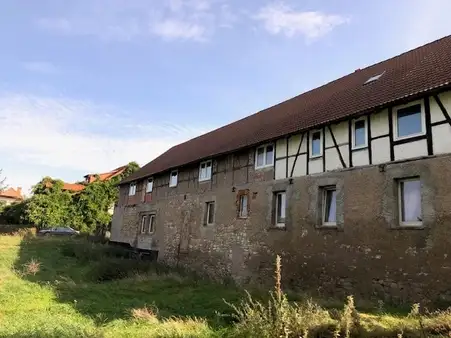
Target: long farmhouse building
column 349, row 182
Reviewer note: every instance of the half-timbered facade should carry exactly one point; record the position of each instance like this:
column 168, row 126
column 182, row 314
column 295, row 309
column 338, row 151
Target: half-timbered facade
column 349, row 182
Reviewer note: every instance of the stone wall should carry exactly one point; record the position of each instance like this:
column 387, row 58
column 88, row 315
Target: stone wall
column 367, row 254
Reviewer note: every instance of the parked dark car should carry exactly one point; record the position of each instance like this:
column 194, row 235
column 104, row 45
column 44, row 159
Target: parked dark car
column 58, row 231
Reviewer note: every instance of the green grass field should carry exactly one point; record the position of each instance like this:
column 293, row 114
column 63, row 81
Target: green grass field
column 50, row 289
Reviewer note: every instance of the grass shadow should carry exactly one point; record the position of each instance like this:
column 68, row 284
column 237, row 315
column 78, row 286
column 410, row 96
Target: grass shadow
column 75, row 281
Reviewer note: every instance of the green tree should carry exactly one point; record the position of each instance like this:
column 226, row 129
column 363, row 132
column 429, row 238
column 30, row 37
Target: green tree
column 85, row 210
column 49, row 205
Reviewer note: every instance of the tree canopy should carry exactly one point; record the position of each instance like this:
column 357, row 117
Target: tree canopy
column 50, row 205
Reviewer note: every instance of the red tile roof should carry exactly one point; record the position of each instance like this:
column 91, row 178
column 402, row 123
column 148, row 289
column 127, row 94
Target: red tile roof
column 407, row 75
column 106, row 176
column 74, row 187
column 12, row 193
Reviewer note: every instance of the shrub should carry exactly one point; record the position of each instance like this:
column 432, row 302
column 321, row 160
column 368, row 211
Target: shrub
column 278, row 317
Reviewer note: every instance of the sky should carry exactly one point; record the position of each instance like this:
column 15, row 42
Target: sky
column 89, row 85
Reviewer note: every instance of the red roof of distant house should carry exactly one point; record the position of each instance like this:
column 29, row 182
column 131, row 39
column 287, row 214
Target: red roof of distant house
column 404, row 76
column 106, row 176
column 12, row 193
column 74, row 187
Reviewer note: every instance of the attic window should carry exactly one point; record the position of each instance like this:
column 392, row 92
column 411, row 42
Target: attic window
column 374, row 78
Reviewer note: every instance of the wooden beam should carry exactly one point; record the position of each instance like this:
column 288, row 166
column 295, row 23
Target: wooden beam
column 337, row 147
column 297, row 154
column 427, row 113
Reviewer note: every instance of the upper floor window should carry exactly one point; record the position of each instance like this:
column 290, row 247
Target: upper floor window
column 205, row 171
column 315, row 143
column 132, row 189
column 409, row 122
column 264, row 156
column 149, row 187
column 330, row 206
column 280, row 208
column 359, row 135
column 173, row 178
column 409, row 193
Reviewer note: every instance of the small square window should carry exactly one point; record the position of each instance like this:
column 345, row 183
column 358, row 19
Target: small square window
column 205, row 171
column 243, row 207
column 132, row 189
column 359, row 135
column 147, row 224
column 149, row 187
column 210, row 213
column 330, row 206
column 409, row 122
column 316, row 147
column 173, row 178
column 410, row 213
column 264, row 156
column 280, row 208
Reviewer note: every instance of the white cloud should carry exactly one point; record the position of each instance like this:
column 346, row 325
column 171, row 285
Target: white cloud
column 175, row 29
column 59, row 135
column 279, row 18
column 119, row 20
column 40, row 67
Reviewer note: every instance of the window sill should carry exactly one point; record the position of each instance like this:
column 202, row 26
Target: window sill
column 334, row 227
column 278, row 227
column 204, row 180
column 242, row 217
column 400, row 138
column 312, row 157
column 265, row 167
column 408, row 227
column 360, row 147
column 172, row 186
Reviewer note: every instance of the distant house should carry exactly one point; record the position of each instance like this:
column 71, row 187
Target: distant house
column 90, row 178
column 11, row 195
column 105, row 176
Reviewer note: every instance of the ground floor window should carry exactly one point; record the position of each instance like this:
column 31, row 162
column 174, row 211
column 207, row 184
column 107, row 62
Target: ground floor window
column 330, row 206
column 409, row 193
column 210, row 213
column 280, row 208
column 147, row 223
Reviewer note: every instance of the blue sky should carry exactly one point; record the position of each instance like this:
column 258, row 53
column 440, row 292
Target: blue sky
column 89, row 85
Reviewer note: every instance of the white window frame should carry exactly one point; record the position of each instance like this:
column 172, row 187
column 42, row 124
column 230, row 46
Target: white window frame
column 365, row 145
column 265, row 165
column 149, row 183
column 400, row 203
column 171, row 185
column 143, row 223
column 132, row 189
column 207, row 178
column 207, row 214
column 151, row 228
column 240, row 209
column 320, row 131
column 323, row 214
column 395, row 121
column 277, row 194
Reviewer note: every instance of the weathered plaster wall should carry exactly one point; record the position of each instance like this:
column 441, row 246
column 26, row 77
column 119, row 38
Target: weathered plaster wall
column 366, row 254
